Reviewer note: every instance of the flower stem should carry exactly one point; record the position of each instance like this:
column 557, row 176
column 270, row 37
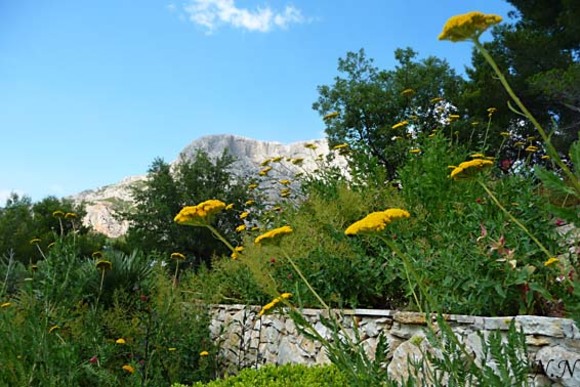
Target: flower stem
column 513, row 219
column 220, row 237
column 305, row 280
column 409, row 270
column 548, row 143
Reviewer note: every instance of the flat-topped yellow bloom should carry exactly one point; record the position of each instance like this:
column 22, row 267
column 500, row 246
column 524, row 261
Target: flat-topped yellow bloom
column 178, row 256
column 408, row 92
column 311, row 146
column 273, row 234
column 271, row 305
column 340, row 146
column 58, row 214
column 400, row 124
column 531, row 149
column 551, row 261
column 468, row 168
column 330, row 116
column 200, row 214
column 376, row 221
column 467, row 26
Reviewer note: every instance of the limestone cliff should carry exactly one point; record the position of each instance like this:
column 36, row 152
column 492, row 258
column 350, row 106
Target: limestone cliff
column 248, row 153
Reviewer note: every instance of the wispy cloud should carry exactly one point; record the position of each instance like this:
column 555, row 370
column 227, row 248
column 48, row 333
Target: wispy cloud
column 211, row 14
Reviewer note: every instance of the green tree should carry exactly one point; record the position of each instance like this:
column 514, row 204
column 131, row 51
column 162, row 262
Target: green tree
column 539, row 53
column 364, row 104
column 167, row 190
column 47, row 220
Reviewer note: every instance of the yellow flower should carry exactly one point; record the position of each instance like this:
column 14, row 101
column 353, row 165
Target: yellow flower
column 519, row 143
column 297, row 161
column 400, row 124
column 531, row 138
column 436, row 99
column 415, row 150
column 58, row 214
column 454, row 116
column 310, row 146
column 376, row 221
column 273, row 234
column 244, row 215
column 340, row 146
column 531, row 149
column 285, row 296
column 178, row 256
column 330, row 116
column 255, row 228
column 235, row 255
column 252, row 186
column 249, row 202
column 466, row 168
column 204, row 353
column 551, row 261
column 70, row 215
column 35, row 241
column 172, row 349
column 53, row 328
column 265, row 162
column 408, row 92
column 475, row 123
column 229, row 206
column 545, row 157
column 103, row 264
column 241, row 228
column 97, row 254
column 264, row 172
column 490, row 111
column 128, row 368
column 51, row 244
column 477, row 156
column 467, row 26
column 199, row 215
column 505, row 134
column 277, row 159
column 5, row 305
column 284, row 182
column 239, row 249
column 120, row 341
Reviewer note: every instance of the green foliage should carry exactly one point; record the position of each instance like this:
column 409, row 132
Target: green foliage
column 22, row 221
column 538, row 53
column 61, row 319
column 370, row 101
column 168, row 189
column 282, row 376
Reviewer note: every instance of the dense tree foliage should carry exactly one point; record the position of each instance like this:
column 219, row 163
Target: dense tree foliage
column 538, row 51
column 22, row 221
column 167, row 190
column 362, row 106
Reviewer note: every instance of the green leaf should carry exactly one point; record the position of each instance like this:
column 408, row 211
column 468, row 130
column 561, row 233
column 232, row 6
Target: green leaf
column 553, row 181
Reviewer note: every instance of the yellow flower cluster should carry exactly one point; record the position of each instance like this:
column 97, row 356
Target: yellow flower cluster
column 178, row 256
column 400, row 124
column 241, row 228
column 467, row 26
column 199, row 215
column 467, row 168
column 408, row 92
column 551, row 261
column 268, row 307
column 264, row 172
column 376, row 221
column 103, row 264
column 340, row 146
column 311, row 146
column 330, row 116
column 273, row 234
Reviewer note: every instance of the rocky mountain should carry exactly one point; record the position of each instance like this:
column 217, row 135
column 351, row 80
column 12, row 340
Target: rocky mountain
column 304, row 156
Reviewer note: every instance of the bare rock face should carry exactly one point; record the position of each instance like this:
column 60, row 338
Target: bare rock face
column 304, row 156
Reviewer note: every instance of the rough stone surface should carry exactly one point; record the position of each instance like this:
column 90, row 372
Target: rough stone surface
column 553, row 343
column 249, row 153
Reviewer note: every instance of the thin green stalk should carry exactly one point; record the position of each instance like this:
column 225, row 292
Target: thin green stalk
column 220, row 237
column 513, row 219
column 410, row 270
column 305, row 280
column 550, row 148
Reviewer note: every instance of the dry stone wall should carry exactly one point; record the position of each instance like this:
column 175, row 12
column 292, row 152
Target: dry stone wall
column 246, row 339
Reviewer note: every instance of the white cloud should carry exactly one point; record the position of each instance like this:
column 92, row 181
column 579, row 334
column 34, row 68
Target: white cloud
column 213, row 13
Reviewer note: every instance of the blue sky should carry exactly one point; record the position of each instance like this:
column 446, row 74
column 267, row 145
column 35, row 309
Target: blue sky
column 92, row 91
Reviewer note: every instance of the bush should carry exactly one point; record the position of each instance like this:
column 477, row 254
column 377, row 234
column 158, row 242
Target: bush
column 282, row 376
